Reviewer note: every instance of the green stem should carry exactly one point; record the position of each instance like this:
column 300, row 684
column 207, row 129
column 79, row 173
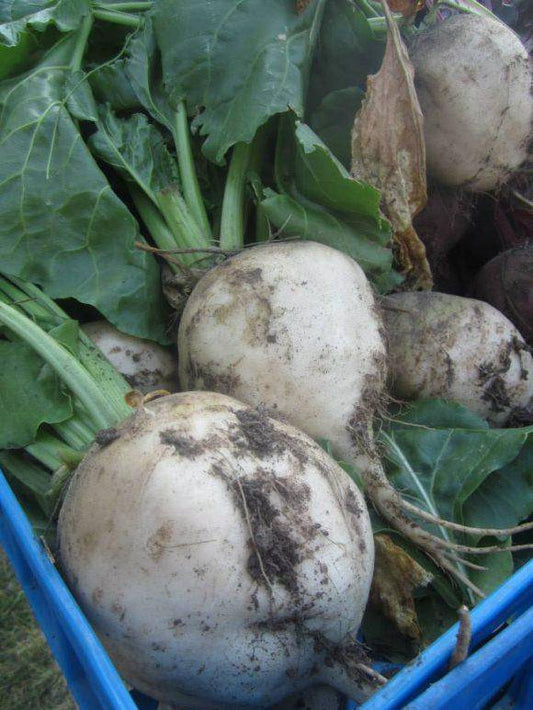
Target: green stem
column 378, row 25
column 52, row 452
column 41, row 308
column 67, row 367
column 126, row 6
column 262, row 224
column 367, row 9
column 118, row 18
column 232, row 221
column 189, row 179
column 60, row 478
column 76, row 434
column 155, row 223
column 81, row 42
column 178, row 217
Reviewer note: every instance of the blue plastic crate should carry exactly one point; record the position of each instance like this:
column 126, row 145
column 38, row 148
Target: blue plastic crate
column 499, row 669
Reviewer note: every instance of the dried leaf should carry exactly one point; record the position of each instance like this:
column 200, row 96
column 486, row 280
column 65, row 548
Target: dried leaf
column 388, row 151
column 396, row 577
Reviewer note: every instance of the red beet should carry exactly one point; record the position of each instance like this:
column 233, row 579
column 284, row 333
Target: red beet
column 440, row 225
column 506, row 282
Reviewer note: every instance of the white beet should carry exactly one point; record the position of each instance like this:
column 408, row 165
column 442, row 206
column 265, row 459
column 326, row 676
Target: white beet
column 473, row 80
column 456, row 348
column 219, row 554
column 292, row 327
column 146, row 365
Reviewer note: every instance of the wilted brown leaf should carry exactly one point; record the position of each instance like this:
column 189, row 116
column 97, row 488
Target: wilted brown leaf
column 396, row 576
column 388, row 151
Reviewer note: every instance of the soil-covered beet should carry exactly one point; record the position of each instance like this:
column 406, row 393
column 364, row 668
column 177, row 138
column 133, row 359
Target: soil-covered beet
column 204, row 526
column 473, row 81
column 506, row 282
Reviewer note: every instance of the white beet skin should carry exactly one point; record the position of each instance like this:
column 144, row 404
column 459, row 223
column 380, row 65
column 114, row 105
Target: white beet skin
column 214, row 550
column 292, row 327
column 146, row 365
column 449, row 347
column 473, row 80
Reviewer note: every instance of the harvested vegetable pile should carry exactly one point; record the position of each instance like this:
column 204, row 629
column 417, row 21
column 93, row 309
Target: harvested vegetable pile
column 253, row 403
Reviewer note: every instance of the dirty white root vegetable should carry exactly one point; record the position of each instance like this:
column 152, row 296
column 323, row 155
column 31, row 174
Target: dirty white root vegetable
column 294, row 327
column 223, row 557
column 146, row 365
column 449, row 347
column 473, row 80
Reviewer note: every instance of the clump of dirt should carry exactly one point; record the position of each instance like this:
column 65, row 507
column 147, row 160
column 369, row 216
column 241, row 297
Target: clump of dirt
column 372, row 403
column 225, row 383
column 275, row 548
column 260, row 435
column 104, row 437
column 184, row 445
column 496, row 394
column 144, row 379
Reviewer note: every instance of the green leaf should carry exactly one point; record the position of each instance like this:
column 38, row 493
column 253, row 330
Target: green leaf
column 333, row 121
column 440, row 468
column 18, row 15
column 15, row 59
column 346, row 50
column 323, row 203
column 440, row 459
column 67, row 333
column 435, row 617
column 321, row 178
column 143, row 70
column 439, row 414
column 506, row 497
column 62, row 226
column 498, row 566
column 241, row 62
column 136, row 149
column 309, row 221
column 110, row 85
column 27, row 382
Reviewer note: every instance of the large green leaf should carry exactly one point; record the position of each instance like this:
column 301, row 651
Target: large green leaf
column 241, row 62
column 448, row 462
column 62, row 225
column 30, row 395
column 18, row 15
column 439, row 468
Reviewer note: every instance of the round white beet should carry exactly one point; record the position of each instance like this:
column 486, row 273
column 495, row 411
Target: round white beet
column 460, row 349
column 219, row 554
column 473, row 80
column 146, row 365
column 292, row 327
